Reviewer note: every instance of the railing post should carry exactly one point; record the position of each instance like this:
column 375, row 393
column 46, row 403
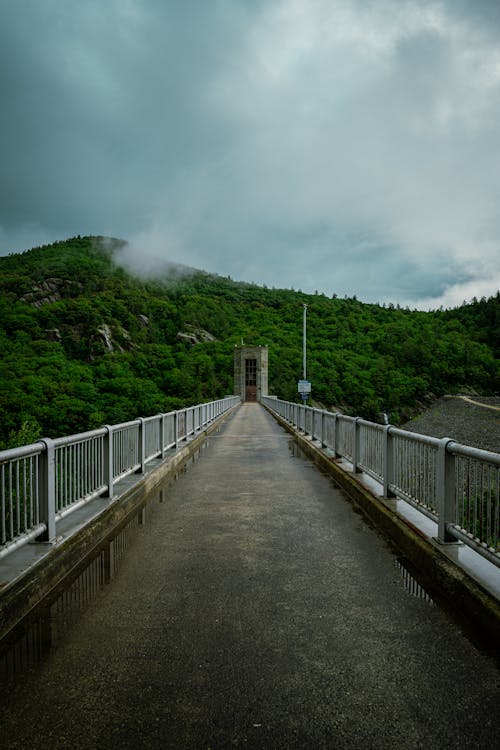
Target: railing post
column 108, row 460
column 47, row 491
column 163, row 433
column 388, row 461
column 445, row 490
column 323, row 421
column 176, row 429
column 142, row 446
column 335, row 435
column 356, row 446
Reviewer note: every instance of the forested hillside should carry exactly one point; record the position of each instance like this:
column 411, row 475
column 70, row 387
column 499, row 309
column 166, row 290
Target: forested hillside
column 84, row 343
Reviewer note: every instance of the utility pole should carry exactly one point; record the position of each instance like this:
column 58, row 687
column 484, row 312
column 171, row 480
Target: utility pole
column 304, row 343
column 304, row 386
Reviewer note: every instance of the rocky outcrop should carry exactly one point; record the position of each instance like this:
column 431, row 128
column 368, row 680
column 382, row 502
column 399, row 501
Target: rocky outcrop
column 193, row 335
column 53, row 334
column 50, row 290
column 104, row 333
column 113, row 338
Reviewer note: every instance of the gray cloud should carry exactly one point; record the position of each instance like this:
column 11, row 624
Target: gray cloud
column 338, row 145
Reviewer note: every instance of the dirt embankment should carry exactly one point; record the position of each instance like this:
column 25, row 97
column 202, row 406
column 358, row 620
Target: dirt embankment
column 471, row 421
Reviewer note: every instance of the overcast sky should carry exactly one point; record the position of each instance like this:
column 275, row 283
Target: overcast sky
column 344, row 146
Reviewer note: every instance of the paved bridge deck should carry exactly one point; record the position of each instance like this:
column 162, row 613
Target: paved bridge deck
column 257, row 610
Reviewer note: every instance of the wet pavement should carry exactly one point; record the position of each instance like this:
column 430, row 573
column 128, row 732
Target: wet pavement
column 256, row 609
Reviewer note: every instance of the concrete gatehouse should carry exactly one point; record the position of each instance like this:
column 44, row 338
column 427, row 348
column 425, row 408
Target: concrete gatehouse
column 250, row 372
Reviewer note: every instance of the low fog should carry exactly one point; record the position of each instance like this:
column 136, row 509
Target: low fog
column 344, row 146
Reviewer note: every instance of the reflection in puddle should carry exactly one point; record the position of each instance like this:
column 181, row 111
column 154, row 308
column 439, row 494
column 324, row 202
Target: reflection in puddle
column 294, row 449
column 182, row 469
column 42, row 630
column 411, row 585
column 297, row 452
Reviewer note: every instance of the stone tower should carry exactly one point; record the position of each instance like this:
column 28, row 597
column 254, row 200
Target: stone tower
column 250, row 372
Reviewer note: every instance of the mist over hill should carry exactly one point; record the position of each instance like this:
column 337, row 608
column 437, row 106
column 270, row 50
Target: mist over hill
column 86, row 342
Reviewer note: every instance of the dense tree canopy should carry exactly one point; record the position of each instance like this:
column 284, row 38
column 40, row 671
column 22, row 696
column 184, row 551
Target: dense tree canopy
column 84, row 343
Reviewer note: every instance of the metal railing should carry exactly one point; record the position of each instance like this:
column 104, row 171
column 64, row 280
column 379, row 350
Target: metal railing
column 43, row 482
column 455, row 485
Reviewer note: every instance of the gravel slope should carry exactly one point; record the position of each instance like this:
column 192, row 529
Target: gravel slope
column 466, row 422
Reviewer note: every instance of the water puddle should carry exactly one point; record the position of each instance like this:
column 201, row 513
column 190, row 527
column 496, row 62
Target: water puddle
column 41, row 631
column 183, row 468
column 297, row 452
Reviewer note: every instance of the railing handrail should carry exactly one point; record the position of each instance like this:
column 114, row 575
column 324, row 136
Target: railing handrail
column 458, row 449
column 409, row 435
column 44, row 481
column 78, row 437
column 21, row 451
column 456, row 485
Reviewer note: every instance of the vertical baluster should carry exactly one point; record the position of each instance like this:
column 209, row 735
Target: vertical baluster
column 487, row 511
column 73, row 451
column 18, row 504
column 496, row 515
column 11, row 504
column 25, row 495
column 79, row 473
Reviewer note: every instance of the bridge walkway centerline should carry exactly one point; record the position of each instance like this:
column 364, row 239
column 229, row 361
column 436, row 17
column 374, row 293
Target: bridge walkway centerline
column 257, row 609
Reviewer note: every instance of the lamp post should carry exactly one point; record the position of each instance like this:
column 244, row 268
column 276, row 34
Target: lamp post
column 304, row 344
column 304, row 386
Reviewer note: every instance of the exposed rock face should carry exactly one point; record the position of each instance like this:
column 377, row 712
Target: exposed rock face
column 50, row 290
column 53, row 334
column 113, row 339
column 104, row 332
column 193, row 335
column 143, row 321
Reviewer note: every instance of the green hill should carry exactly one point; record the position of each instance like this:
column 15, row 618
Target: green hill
column 85, row 343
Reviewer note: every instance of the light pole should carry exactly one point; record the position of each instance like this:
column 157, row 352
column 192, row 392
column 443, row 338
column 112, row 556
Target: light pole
column 304, row 344
column 304, row 386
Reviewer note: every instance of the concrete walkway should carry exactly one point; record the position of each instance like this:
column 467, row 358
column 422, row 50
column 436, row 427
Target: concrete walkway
column 257, row 610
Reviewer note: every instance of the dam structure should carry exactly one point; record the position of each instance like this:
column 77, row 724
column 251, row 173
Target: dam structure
column 244, row 575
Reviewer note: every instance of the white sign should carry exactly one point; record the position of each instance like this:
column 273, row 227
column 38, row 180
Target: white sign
column 304, row 386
